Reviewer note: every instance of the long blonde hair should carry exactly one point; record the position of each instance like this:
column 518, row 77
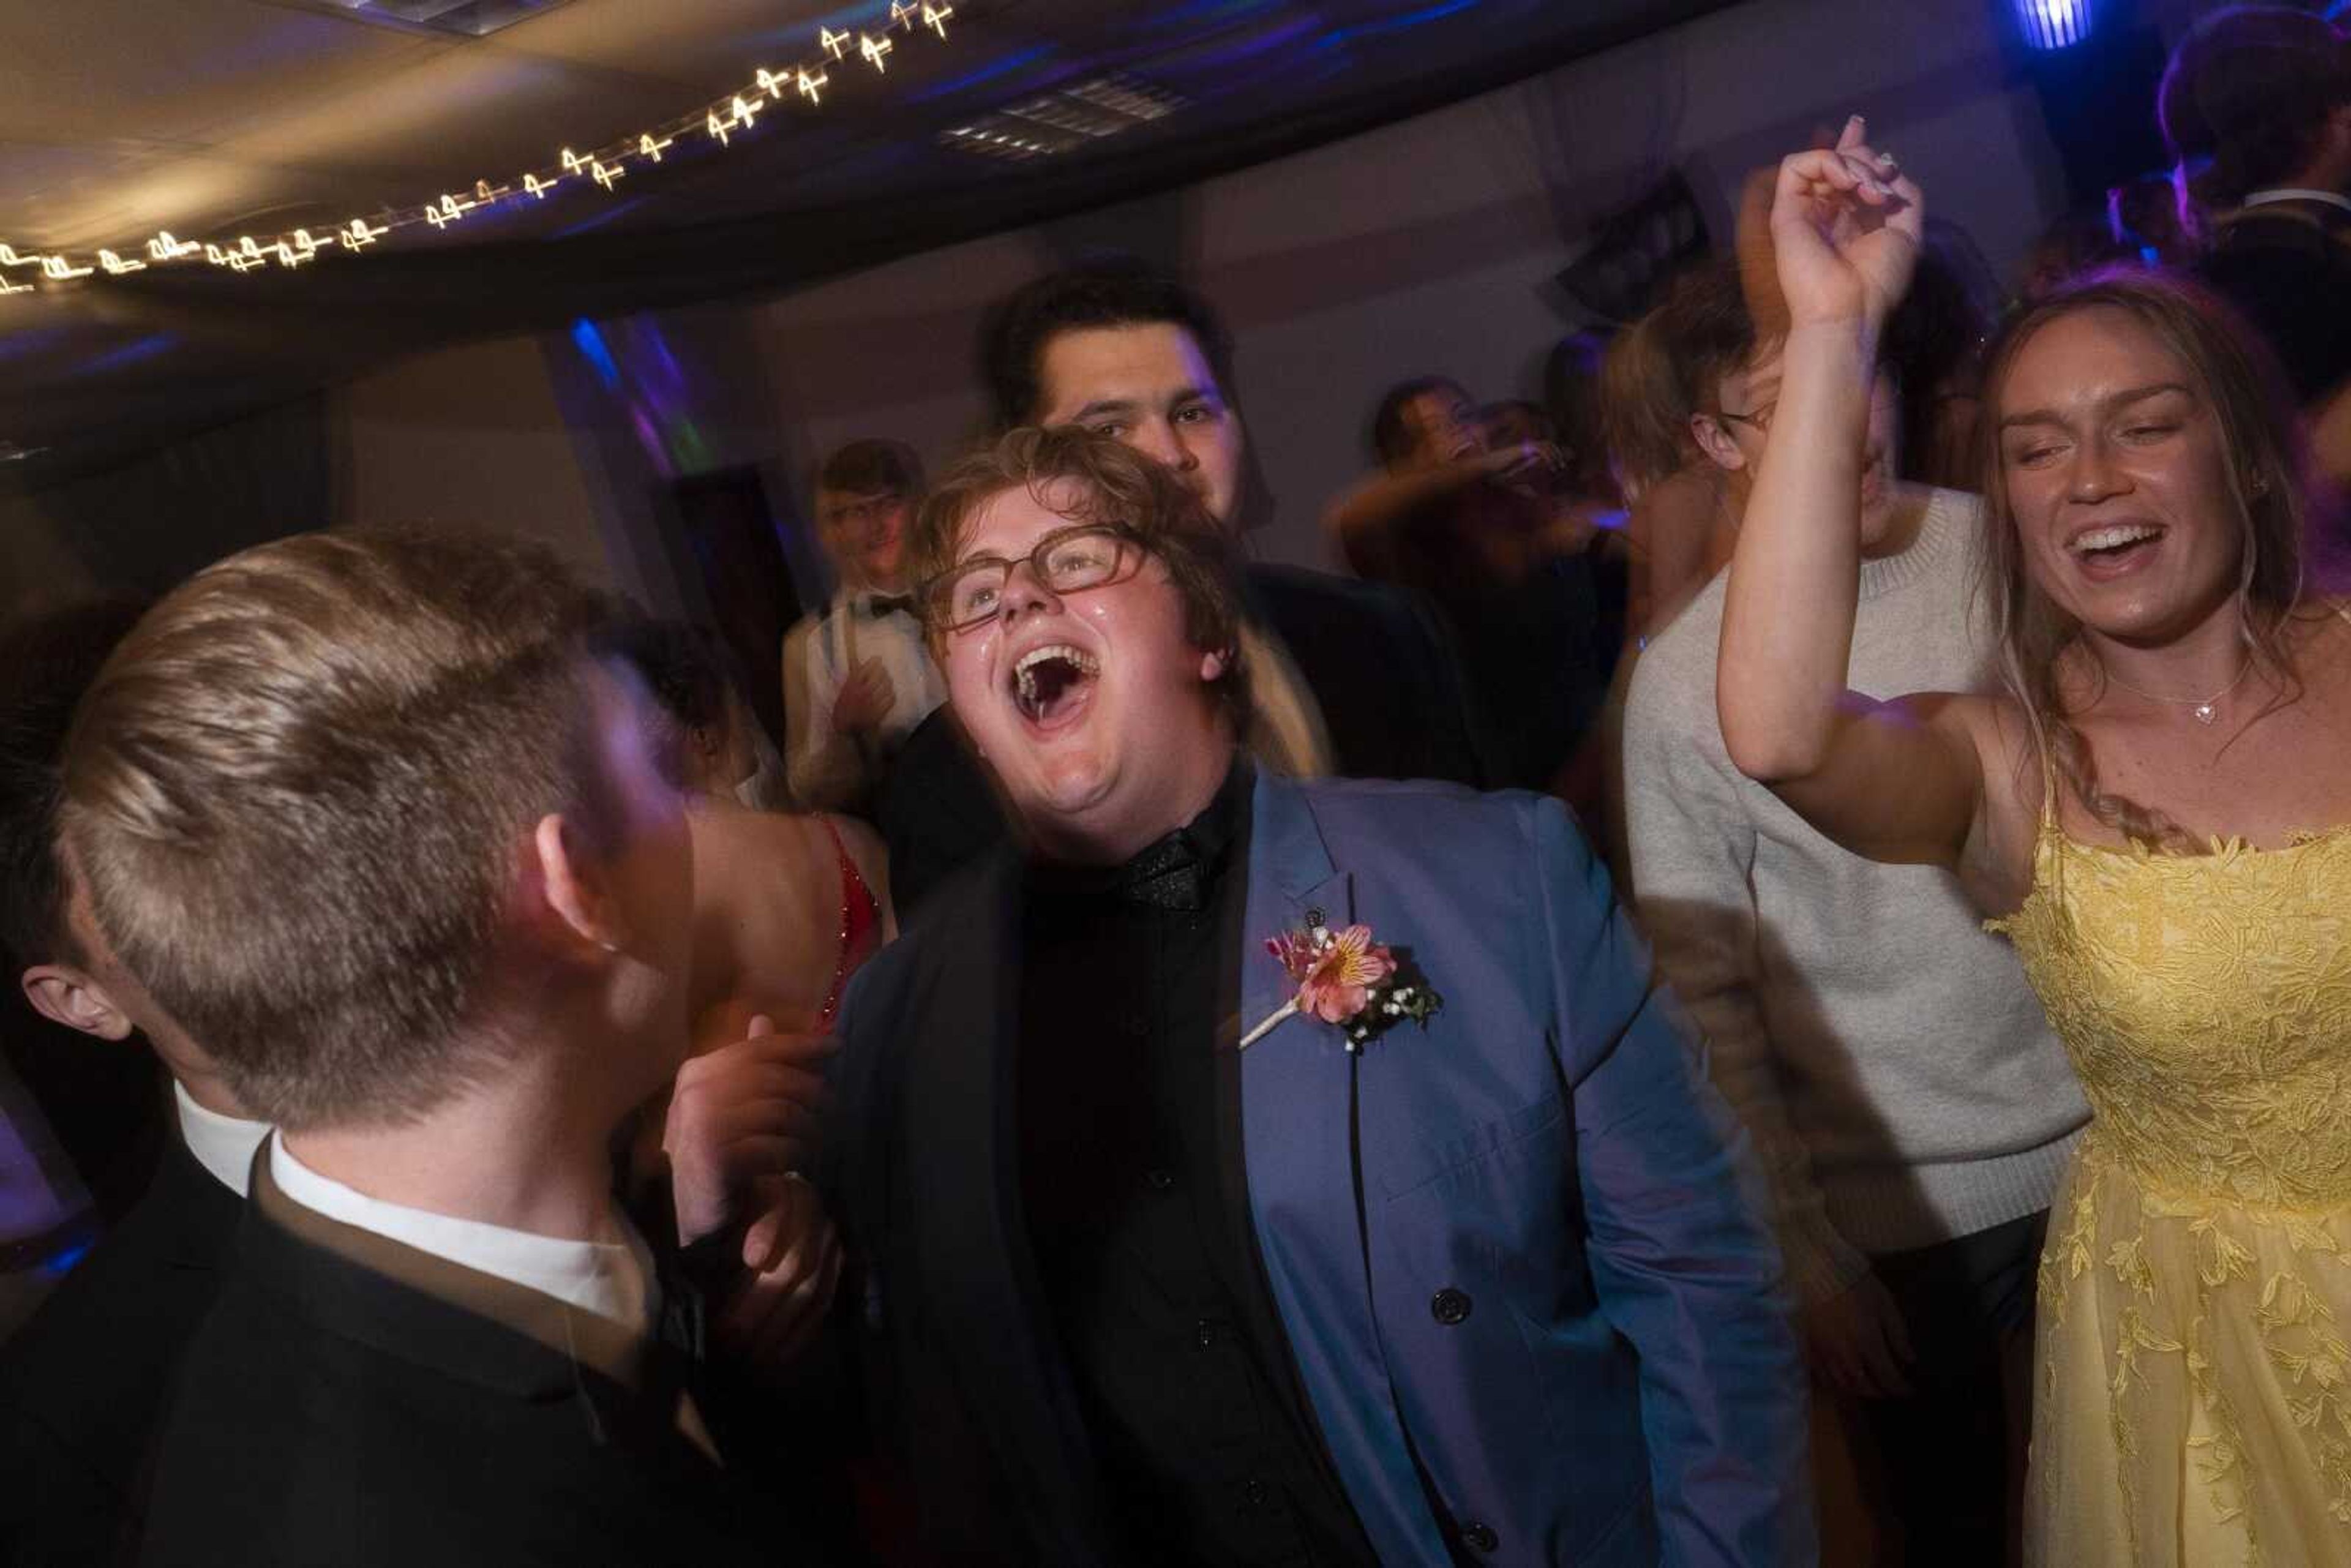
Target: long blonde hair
column 2269, row 495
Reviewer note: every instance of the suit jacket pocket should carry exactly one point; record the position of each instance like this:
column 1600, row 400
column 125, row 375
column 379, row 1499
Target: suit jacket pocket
column 1433, row 1160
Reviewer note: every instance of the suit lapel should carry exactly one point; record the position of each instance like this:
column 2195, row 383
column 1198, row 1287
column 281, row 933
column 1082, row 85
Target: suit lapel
column 1298, row 1088
column 1291, row 879
column 965, row 1212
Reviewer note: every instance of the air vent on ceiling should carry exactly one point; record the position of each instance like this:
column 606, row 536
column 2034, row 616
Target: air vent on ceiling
column 470, row 18
column 1065, row 119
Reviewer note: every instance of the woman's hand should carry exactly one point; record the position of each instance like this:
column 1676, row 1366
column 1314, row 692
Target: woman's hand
column 1846, row 226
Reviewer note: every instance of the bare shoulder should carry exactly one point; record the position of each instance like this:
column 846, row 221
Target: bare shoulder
column 864, row 844
column 728, row 833
column 2318, row 633
column 1996, row 864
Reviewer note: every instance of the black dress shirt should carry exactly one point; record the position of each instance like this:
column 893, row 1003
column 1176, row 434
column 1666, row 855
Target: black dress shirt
column 1136, row 1206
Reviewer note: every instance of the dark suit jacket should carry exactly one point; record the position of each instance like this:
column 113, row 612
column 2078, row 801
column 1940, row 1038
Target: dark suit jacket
column 1381, row 670
column 1376, row 662
column 83, row 1386
column 2286, row 265
column 109, row 1106
column 1517, row 1256
column 936, row 810
column 342, row 1406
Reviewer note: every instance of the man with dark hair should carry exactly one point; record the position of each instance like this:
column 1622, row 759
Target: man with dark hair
column 856, row 680
column 364, row 816
column 1193, row 1229
column 1124, row 350
column 82, row 1386
column 1107, row 294
column 2263, row 92
column 1424, row 421
column 1482, row 526
column 1127, row 352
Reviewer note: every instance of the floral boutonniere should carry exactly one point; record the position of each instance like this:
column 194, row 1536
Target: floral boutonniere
column 1346, row 978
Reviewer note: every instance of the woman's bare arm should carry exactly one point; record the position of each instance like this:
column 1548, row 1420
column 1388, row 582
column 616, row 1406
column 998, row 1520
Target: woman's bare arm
column 1899, row 781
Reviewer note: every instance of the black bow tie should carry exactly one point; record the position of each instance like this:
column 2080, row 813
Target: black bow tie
column 877, row 605
column 1166, row 875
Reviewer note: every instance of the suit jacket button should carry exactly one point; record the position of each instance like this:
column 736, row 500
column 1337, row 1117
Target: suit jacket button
column 1160, row 1180
column 1449, row 1306
column 1479, row 1536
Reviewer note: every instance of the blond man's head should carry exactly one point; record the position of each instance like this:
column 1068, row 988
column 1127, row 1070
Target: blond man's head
column 302, row 797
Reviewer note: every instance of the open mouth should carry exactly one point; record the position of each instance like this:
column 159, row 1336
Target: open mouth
column 1049, row 684
column 2114, row 548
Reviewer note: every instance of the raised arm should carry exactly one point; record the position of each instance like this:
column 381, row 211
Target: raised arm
column 1361, row 521
column 1899, row 781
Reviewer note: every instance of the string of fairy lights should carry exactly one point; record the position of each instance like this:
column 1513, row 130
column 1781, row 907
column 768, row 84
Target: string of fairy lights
column 720, row 120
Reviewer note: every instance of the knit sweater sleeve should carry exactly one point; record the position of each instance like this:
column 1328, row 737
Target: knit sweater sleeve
column 1693, row 851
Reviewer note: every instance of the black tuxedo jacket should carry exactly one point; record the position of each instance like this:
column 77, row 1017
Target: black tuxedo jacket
column 2286, row 266
column 965, row 1387
column 1379, row 668
column 83, row 1385
column 340, row 1405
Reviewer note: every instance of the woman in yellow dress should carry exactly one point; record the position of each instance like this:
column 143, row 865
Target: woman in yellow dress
column 2159, row 813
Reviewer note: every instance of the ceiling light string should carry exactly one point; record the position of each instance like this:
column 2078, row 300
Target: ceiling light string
column 720, row 122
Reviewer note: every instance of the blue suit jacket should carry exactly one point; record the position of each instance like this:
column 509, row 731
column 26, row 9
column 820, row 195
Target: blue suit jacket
column 1623, row 1387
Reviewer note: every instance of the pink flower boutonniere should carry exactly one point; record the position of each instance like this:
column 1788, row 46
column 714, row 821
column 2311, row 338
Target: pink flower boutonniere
column 1346, row 978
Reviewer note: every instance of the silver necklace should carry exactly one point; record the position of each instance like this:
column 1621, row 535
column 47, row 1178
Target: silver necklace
column 2203, row 710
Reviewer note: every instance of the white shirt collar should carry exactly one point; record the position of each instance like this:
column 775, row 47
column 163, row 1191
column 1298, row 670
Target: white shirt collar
column 222, row 1144
column 614, row 1279
column 2297, row 193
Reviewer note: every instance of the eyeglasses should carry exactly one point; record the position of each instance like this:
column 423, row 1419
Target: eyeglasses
column 1761, row 419
column 1067, row 560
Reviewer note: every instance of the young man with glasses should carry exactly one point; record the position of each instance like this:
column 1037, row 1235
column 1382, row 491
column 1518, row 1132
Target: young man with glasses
column 1911, row 1109
column 856, row 678
column 1156, row 1269
column 1358, row 678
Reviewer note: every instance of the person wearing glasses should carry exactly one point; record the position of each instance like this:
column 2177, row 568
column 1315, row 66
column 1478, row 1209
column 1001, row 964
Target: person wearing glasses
column 856, row 679
column 1359, row 677
column 1911, row 1108
column 1155, row 1266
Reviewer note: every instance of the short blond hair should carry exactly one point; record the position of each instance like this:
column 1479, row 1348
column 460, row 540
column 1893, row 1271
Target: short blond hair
column 296, row 793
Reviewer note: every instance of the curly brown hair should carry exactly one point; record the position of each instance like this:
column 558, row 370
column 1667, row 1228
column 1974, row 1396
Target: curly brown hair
column 2268, row 485
column 1114, row 485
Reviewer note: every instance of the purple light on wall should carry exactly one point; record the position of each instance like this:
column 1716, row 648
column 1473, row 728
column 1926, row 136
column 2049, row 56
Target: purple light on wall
column 2053, row 24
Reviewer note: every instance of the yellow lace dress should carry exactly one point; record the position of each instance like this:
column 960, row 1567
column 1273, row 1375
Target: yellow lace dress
column 2192, row 1403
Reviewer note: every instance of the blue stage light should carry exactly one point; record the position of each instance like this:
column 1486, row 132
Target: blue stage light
column 2053, row 24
